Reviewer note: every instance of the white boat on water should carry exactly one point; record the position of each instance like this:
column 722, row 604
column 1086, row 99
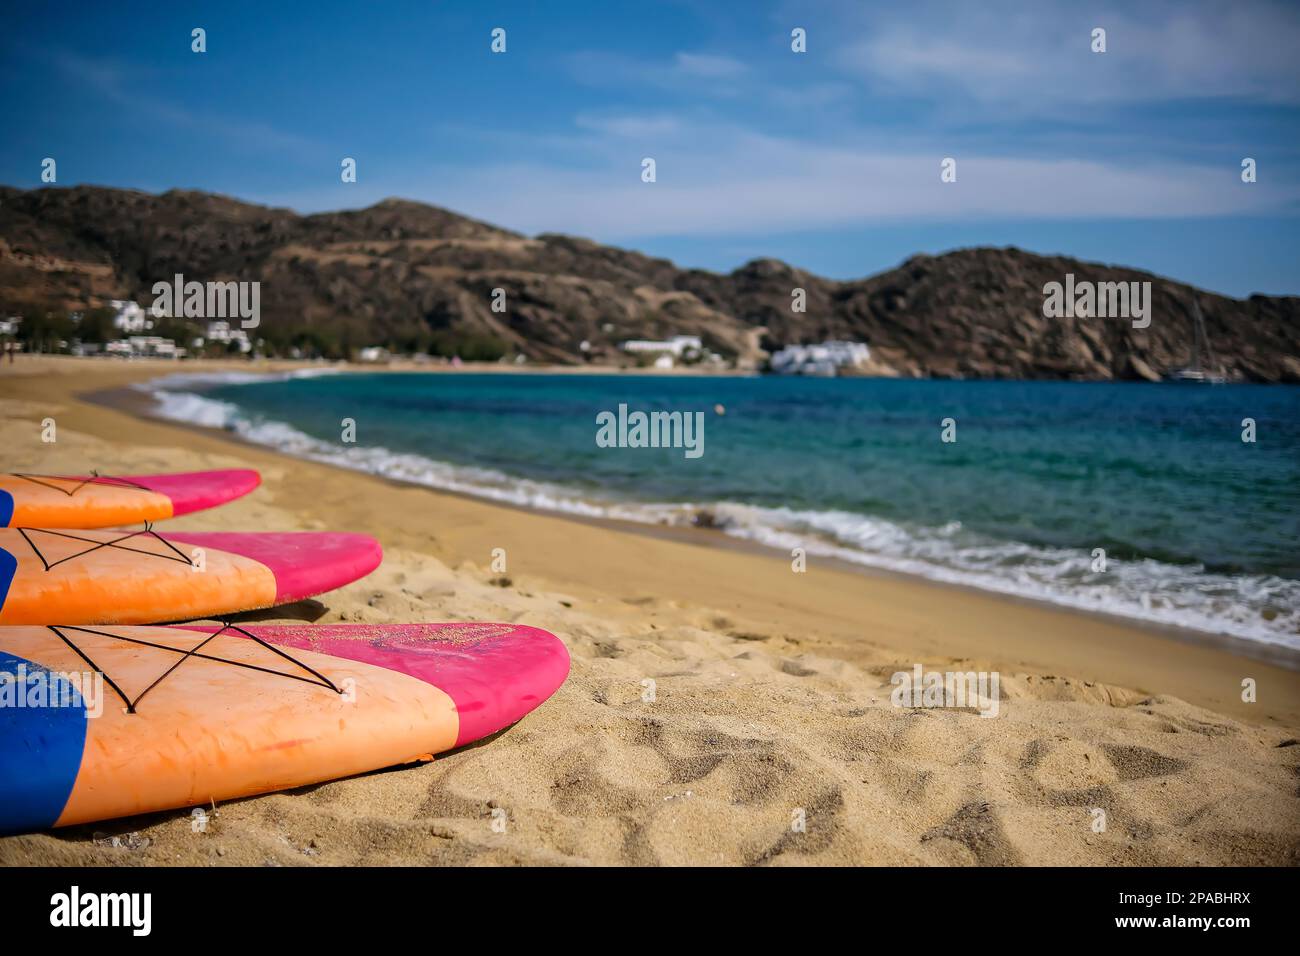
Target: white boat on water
column 1194, row 374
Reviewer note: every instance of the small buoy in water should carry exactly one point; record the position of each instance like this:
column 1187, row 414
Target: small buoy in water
column 720, row 409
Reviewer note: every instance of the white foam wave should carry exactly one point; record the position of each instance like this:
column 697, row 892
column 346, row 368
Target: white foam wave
column 1254, row 607
column 1258, row 608
column 200, row 380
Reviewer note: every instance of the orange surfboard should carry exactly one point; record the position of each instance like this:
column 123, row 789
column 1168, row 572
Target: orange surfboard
column 105, row 722
column 58, row 576
column 104, row 501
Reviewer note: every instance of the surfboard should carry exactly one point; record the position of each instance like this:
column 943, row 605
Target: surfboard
column 103, row 501
column 60, row 576
column 115, row 721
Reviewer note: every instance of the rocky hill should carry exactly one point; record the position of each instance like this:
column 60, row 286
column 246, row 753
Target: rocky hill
column 415, row 277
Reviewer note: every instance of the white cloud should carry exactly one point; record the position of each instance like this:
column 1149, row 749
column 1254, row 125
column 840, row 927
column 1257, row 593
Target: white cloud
column 718, row 181
column 708, row 67
column 1037, row 57
column 687, row 73
column 628, row 126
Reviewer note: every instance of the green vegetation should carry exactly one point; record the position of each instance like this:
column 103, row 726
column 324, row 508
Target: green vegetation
column 96, row 326
column 470, row 347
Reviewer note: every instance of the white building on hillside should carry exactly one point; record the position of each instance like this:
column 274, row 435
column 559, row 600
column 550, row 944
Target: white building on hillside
column 152, row 346
column 678, row 346
column 220, row 331
column 129, row 317
column 139, row 346
column 825, row 359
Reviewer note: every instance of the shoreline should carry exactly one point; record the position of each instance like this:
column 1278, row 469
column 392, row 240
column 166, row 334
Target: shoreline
column 401, row 366
column 135, row 402
column 395, row 366
column 772, row 693
column 902, row 588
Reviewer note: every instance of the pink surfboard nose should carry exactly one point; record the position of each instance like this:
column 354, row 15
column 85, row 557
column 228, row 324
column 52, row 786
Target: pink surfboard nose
column 495, row 673
column 196, row 490
column 304, row 563
column 495, row 679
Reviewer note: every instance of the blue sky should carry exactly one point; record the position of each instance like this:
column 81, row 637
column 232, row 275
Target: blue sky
column 827, row 159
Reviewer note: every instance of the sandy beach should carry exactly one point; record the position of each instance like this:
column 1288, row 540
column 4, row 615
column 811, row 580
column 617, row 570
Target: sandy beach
column 715, row 695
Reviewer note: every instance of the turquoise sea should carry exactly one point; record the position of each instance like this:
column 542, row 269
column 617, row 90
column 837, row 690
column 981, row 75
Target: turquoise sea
column 1198, row 528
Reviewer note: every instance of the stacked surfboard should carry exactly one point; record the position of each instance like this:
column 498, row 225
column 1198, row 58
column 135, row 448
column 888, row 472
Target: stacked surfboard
column 104, row 713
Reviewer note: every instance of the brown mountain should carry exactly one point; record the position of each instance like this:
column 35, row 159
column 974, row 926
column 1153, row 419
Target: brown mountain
column 412, row 276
